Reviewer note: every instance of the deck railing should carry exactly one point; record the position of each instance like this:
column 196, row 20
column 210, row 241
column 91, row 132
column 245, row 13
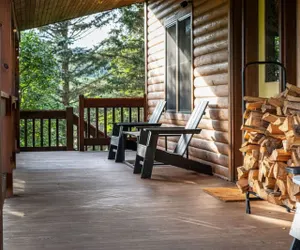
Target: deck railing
column 47, row 130
column 99, row 114
column 61, row 130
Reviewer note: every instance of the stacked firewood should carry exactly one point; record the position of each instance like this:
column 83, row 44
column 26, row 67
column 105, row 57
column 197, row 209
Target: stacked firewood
column 271, row 143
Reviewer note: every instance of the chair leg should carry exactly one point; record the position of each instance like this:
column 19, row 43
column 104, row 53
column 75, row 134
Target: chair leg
column 295, row 245
column 137, row 165
column 111, row 153
column 120, row 154
column 147, row 167
column 149, row 157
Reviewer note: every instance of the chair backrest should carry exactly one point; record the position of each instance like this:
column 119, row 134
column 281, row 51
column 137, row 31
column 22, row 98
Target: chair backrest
column 192, row 123
column 157, row 112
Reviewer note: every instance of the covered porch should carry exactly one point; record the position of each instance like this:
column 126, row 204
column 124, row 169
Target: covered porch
column 75, row 200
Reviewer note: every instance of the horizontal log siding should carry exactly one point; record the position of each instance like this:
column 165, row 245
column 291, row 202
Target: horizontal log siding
column 210, row 77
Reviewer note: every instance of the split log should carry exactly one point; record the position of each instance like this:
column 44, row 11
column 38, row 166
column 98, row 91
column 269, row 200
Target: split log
column 268, row 108
column 254, row 105
column 271, row 118
column 274, row 198
column 242, row 173
column 293, row 98
column 276, row 102
column 293, row 88
column 255, row 99
column 279, row 170
column 269, row 183
column 280, row 155
column 252, row 177
column 274, row 130
column 243, row 184
column 250, row 162
column 249, row 148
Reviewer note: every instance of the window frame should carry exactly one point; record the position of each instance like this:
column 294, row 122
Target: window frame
column 174, row 20
column 269, row 67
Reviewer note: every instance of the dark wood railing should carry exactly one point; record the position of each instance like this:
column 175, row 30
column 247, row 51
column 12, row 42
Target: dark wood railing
column 61, row 130
column 97, row 116
column 47, row 130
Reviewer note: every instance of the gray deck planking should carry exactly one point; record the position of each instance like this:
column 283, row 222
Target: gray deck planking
column 72, row 200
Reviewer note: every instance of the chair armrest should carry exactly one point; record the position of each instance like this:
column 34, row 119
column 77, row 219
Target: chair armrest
column 293, row 170
column 164, row 131
column 149, row 125
column 135, row 124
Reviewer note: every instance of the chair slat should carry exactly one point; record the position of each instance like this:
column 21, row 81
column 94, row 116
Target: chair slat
column 157, row 112
column 193, row 123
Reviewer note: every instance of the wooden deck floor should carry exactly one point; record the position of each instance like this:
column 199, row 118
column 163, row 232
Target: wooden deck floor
column 72, row 200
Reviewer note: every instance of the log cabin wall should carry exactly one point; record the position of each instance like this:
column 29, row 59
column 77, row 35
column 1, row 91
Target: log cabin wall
column 211, row 60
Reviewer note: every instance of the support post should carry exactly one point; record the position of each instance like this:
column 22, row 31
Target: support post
column 145, row 108
column 146, row 58
column 9, row 185
column 70, row 131
column 81, row 123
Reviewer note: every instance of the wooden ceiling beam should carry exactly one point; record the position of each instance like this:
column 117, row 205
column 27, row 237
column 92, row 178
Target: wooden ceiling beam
column 36, row 13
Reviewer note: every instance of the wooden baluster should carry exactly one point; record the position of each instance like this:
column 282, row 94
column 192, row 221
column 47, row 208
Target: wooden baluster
column 42, row 132
column 101, row 146
column 49, row 132
column 97, row 125
column 105, row 122
column 88, row 129
column 57, row 133
column 81, row 122
column 122, row 114
column 114, row 115
column 89, row 123
column 25, row 133
column 33, row 133
column 130, row 114
column 145, row 108
column 139, row 114
column 70, row 128
column 130, row 118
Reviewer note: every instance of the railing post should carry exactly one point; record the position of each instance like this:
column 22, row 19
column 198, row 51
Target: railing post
column 70, row 131
column 145, row 108
column 81, row 123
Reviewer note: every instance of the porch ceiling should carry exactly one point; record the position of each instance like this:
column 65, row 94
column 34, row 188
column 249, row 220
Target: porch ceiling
column 36, row 13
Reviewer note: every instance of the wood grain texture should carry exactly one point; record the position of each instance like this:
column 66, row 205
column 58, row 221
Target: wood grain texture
column 83, row 201
column 36, row 13
column 211, row 62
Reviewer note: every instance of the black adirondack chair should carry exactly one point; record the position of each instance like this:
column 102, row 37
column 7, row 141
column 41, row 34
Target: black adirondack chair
column 296, row 242
column 119, row 142
column 148, row 155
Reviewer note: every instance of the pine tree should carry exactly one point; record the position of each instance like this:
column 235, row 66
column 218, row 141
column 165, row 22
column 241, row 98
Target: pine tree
column 80, row 70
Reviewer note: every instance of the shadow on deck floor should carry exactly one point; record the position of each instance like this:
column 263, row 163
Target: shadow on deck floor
column 72, row 200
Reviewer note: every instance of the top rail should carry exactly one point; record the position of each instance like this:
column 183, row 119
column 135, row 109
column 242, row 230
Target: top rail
column 113, row 102
column 96, row 116
column 43, row 114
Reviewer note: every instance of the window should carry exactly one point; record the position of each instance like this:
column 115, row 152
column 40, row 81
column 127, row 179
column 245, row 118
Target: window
column 179, row 64
column 272, row 39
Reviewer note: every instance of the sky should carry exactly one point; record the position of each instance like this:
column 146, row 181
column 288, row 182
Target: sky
column 94, row 37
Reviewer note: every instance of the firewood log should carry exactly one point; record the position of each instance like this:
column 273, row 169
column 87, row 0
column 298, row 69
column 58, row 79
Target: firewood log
column 242, row 173
column 280, row 155
column 279, row 170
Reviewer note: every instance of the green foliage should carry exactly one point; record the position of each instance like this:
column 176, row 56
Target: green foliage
column 124, row 52
column 54, row 72
column 80, row 71
column 38, row 73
